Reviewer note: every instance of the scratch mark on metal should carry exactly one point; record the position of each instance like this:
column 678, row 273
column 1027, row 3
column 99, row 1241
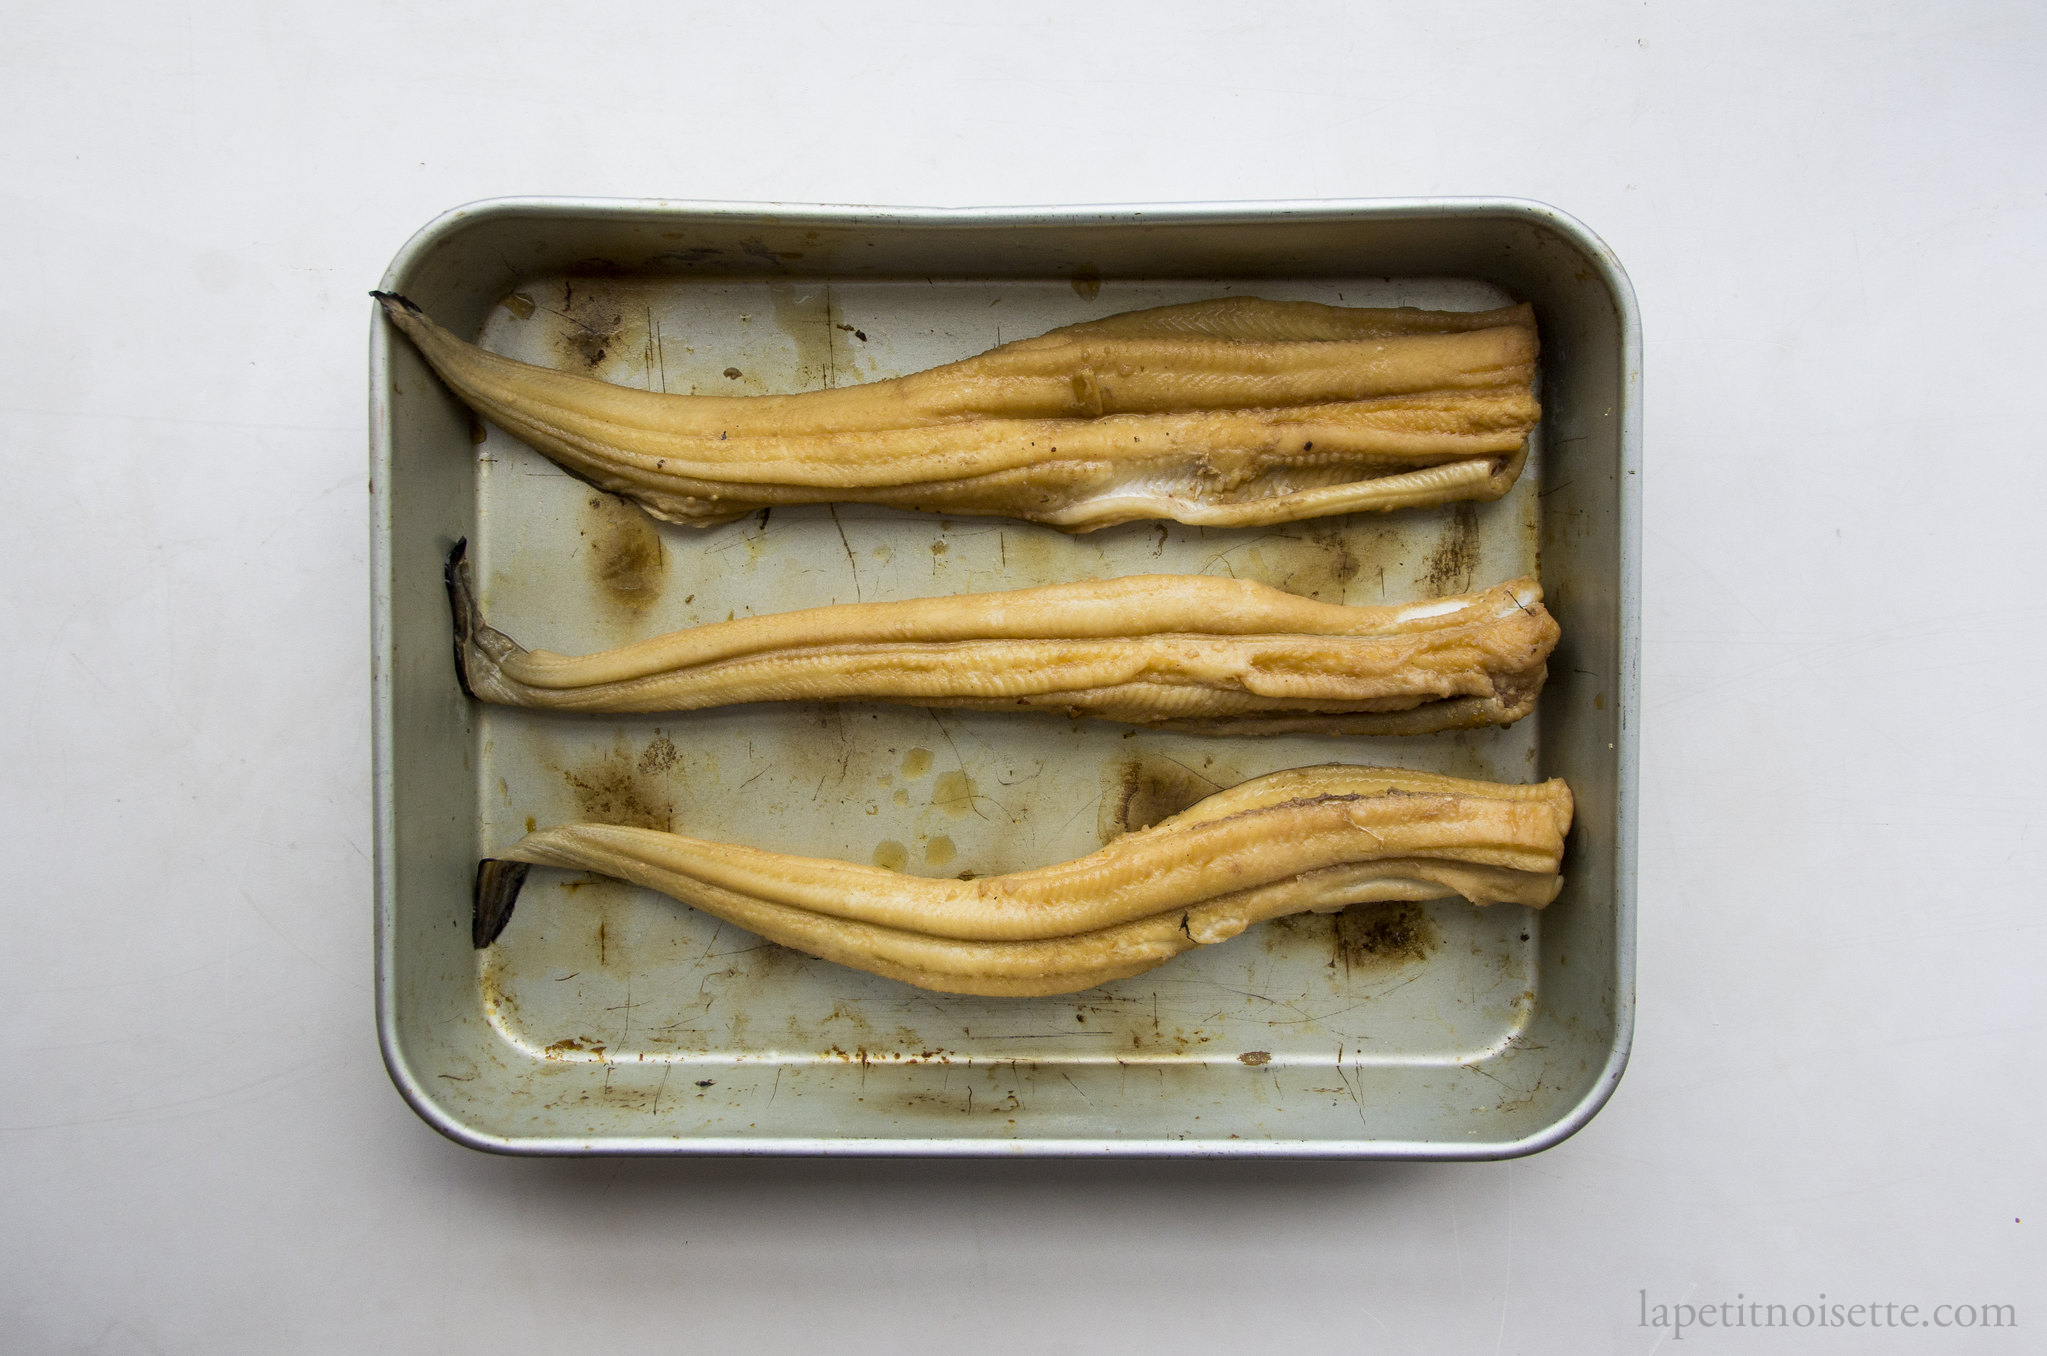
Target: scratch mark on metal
column 831, row 344
column 851, row 563
column 1355, row 1094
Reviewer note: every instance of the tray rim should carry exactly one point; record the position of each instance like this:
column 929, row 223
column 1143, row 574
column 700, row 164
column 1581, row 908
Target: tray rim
column 413, row 1089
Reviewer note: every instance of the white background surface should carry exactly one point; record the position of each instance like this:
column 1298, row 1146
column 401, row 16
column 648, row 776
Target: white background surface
column 1833, row 216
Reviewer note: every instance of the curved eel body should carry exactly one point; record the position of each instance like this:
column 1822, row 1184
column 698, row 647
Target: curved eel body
column 1227, row 413
column 1180, row 652
column 1314, row 838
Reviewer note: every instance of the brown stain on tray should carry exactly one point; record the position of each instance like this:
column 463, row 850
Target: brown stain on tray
column 612, row 789
column 1338, row 563
column 660, row 755
column 1453, row 565
column 1316, row 559
column 623, row 552
column 1140, row 789
column 1368, row 935
column 591, row 328
column 1364, row 937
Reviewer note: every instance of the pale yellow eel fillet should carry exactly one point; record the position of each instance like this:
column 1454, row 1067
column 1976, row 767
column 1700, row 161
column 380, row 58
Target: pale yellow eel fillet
column 1307, row 839
column 1186, row 652
column 1229, row 413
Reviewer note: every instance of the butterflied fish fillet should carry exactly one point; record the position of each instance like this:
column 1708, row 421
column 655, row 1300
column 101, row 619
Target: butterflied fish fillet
column 1227, row 413
column 1183, row 652
column 1316, row 838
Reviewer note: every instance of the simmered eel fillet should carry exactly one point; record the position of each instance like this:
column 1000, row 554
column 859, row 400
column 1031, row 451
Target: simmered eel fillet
column 1228, row 413
column 1185, row 652
column 1314, row 838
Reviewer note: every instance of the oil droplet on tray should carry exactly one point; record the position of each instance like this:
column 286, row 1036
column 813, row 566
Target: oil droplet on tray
column 891, row 855
column 953, row 793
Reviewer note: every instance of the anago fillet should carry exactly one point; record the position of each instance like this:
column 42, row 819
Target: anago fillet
column 1227, row 413
column 1306, row 839
column 1186, row 652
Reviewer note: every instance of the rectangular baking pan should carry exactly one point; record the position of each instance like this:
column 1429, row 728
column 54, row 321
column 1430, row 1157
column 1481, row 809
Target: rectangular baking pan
column 610, row 1020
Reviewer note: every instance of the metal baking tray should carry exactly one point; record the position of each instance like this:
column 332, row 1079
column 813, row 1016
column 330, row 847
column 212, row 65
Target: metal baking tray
column 611, row 1020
